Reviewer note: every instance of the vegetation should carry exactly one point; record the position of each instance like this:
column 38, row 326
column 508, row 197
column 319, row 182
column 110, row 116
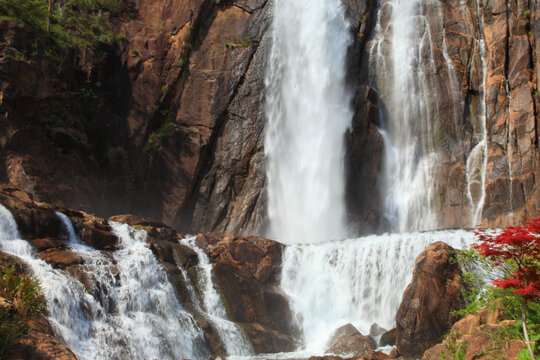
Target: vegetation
column 79, row 25
column 20, row 299
column 514, row 255
column 516, row 252
column 154, row 140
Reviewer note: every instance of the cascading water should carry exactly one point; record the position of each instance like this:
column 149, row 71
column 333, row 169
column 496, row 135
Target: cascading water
column 129, row 309
column 308, row 111
column 477, row 160
column 212, row 306
column 403, row 69
column 358, row 281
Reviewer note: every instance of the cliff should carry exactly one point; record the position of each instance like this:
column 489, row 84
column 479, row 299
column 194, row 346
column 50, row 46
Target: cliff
column 168, row 121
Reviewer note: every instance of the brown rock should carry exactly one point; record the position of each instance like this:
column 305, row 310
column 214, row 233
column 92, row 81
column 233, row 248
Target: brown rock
column 47, row 243
column 267, row 340
column 436, row 290
column 376, row 330
column 513, row 348
column 348, row 340
column 388, row 338
column 40, row 346
column 61, row 258
column 245, row 271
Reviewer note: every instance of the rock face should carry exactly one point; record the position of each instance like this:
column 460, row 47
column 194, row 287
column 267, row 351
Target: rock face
column 348, row 340
column 162, row 110
column 435, row 290
column 246, row 270
column 169, row 122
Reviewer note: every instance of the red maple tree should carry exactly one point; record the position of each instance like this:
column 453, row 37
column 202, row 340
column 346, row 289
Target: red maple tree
column 518, row 246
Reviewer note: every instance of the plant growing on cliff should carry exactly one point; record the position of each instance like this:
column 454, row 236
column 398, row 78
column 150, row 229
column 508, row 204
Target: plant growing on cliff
column 516, row 251
column 20, row 299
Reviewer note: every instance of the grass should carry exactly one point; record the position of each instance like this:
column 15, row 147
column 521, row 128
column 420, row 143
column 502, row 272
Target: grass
column 23, row 300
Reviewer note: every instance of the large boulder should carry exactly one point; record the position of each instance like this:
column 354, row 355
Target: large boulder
column 246, row 272
column 434, row 292
column 348, row 340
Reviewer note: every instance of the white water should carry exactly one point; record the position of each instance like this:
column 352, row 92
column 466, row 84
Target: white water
column 477, row 160
column 131, row 311
column 212, row 306
column 308, row 111
column 405, row 74
column 359, row 281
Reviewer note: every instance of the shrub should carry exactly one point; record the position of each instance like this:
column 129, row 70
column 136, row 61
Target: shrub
column 23, row 300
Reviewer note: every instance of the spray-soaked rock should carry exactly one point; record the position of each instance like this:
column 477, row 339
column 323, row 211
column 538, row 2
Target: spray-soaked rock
column 435, row 290
column 348, row 340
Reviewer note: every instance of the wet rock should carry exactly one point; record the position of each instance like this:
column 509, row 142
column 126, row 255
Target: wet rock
column 245, row 270
column 348, row 340
column 375, row 330
column 435, row 290
column 61, row 258
column 388, row 338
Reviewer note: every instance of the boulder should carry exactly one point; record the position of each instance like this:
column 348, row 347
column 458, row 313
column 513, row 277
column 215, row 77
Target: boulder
column 61, row 259
column 435, row 290
column 388, row 338
column 348, row 340
column 246, row 272
column 375, row 330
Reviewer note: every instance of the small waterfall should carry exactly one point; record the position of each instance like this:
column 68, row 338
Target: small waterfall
column 124, row 308
column 308, row 111
column 477, row 160
column 212, row 306
column 509, row 148
column 359, row 281
column 72, row 237
column 404, row 71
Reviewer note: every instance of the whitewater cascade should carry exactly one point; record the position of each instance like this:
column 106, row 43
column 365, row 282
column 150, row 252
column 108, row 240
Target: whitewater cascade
column 357, row 281
column 233, row 338
column 308, row 111
column 130, row 310
column 477, row 160
column 403, row 70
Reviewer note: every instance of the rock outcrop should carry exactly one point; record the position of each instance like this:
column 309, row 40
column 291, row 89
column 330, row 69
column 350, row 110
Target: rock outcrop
column 435, row 290
column 348, row 340
column 475, row 337
column 246, row 271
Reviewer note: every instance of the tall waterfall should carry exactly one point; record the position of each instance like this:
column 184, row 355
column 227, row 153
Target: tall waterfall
column 308, row 109
column 358, row 281
column 403, row 67
column 129, row 309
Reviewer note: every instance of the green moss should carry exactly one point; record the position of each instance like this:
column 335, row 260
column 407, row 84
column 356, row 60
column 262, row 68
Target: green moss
column 245, row 44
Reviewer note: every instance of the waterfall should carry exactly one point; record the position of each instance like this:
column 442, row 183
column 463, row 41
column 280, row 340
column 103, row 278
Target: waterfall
column 308, row 109
column 477, row 160
column 212, row 306
column 404, row 71
column 358, row 281
column 124, row 308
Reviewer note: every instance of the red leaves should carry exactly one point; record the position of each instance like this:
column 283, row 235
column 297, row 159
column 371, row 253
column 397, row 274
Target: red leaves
column 519, row 245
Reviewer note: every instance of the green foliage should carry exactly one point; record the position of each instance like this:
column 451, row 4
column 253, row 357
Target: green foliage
column 24, row 299
column 455, row 349
column 71, row 24
column 153, row 143
column 27, row 12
